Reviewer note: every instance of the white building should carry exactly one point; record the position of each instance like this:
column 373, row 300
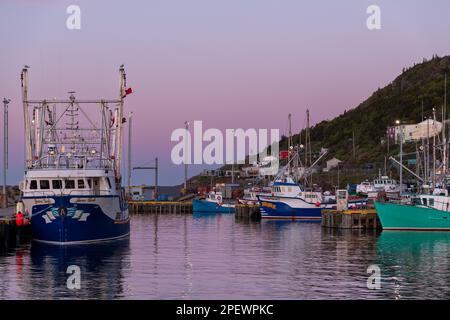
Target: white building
column 331, row 164
column 413, row 132
column 252, row 171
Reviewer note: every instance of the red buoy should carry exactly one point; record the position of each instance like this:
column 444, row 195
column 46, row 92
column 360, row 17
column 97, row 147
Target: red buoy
column 19, row 219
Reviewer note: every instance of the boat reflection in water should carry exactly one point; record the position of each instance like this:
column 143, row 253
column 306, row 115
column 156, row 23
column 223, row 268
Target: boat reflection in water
column 415, row 264
column 101, row 269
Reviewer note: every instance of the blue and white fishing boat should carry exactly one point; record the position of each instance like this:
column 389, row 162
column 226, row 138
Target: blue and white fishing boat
column 289, row 201
column 72, row 186
column 213, row 203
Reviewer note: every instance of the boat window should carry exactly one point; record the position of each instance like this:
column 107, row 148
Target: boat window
column 80, row 184
column 416, row 201
column 431, row 202
column 56, row 184
column 89, row 183
column 44, row 184
column 33, row 184
column 70, row 184
column 289, row 189
column 424, row 201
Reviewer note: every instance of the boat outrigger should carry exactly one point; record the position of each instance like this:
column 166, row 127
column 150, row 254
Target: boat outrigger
column 72, row 186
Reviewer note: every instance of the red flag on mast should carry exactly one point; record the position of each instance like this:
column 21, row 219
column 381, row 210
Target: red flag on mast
column 127, row 92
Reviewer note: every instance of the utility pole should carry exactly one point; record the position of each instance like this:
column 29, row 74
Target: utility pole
column 5, row 148
column 130, row 118
column 186, row 126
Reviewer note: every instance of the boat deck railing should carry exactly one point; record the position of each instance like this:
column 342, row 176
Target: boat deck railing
column 71, row 162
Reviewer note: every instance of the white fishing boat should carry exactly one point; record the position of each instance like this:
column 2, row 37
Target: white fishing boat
column 365, row 188
column 386, row 184
column 251, row 195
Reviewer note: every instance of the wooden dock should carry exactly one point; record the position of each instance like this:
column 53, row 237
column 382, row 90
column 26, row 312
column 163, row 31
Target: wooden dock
column 247, row 211
column 11, row 235
column 351, row 219
column 160, row 207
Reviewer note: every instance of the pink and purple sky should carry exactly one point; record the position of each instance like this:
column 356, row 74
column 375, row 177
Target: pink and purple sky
column 231, row 63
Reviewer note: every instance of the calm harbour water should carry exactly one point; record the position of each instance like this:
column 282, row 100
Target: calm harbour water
column 218, row 257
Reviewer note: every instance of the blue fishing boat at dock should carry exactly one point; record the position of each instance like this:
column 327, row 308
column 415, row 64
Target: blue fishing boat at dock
column 71, row 191
column 213, row 203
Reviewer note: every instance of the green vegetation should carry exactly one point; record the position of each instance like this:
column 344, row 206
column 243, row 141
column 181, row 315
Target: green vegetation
column 401, row 99
column 410, row 98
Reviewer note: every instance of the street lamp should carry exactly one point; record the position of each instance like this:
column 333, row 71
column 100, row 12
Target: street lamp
column 5, row 149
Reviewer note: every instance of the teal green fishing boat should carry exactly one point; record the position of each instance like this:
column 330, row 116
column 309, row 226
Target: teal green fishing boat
column 422, row 213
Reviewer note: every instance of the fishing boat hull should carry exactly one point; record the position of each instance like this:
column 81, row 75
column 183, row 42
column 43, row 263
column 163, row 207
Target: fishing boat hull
column 77, row 219
column 289, row 208
column 407, row 217
column 203, row 206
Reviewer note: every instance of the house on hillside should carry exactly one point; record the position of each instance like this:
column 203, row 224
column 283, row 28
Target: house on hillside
column 414, row 132
column 331, row 164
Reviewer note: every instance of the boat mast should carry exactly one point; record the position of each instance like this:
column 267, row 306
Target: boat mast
column 308, row 145
column 434, row 148
column 40, row 127
column 27, row 131
column 119, row 122
column 289, row 142
column 427, row 153
column 444, row 138
column 401, row 158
